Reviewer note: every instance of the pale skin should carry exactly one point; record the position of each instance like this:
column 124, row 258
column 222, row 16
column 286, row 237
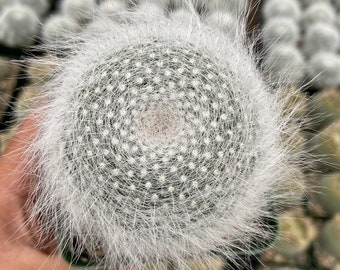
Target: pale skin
column 18, row 243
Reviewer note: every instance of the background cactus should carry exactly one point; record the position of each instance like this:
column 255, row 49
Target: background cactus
column 330, row 236
column 285, row 9
column 160, row 141
column 58, row 27
column 312, row 29
column 280, row 31
column 18, row 26
column 80, row 10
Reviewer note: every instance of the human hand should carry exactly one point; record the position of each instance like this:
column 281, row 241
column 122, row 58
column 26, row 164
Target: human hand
column 19, row 241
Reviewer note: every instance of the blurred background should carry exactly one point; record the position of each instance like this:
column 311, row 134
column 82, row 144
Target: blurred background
column 298, row 41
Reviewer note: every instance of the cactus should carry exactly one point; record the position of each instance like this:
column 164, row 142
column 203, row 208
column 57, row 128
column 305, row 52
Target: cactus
column 321, row 37
column 296, row 233
column 325, row 107
column 39, row 6
column 285, row 64
column 327, row 192
column 280, row 31
column 112, row 8
column 158, row 140
column 327, row 144
column 18, row 26
column 323, row 69
column 223, row 20
column 278, row 8
column 80, row 10
column 330, row 236
column 58, row 27
column 318, row 12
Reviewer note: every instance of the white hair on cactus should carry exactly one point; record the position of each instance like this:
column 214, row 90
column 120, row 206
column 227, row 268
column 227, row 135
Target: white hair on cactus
column 159, row 140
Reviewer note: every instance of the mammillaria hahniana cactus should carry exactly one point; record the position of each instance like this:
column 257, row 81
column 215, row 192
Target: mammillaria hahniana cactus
column 159, row 140
column 18, row 25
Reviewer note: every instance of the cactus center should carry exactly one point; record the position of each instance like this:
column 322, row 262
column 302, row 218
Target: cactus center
column 159, row 125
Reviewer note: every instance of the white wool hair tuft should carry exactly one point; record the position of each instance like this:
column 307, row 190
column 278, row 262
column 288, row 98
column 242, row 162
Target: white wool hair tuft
column 158, row 139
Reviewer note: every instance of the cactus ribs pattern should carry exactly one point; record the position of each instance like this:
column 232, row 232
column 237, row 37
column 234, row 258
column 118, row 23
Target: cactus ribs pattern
column 160, row 135
column 162, row 145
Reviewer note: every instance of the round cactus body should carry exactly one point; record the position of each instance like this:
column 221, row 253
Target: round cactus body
column 280, row 30
column 155, row 9
column 58, row 27
column 321, row 37
column 279, row 8
column 324, row 69
column 223, row 20
column 327, row 144
column 296, row 233
column 285, row 64
column 159, row 141
column 327, row 192
column 330, row 236
column 39, row 6
column 18, row 26
column 81, row 10
column 318, row 12
column 325, row 107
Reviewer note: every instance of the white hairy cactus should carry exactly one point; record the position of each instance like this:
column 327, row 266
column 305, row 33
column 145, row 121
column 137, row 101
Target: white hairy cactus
column 324, row 69
column 58, row 27
column 80, row 10
column 285, row 64
column 39, row 6
column 158, row 140
column 318, row 12
column 19, row 25
column 280, row 31
column 321, row 37
column 223, row 20
column 279, row 8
